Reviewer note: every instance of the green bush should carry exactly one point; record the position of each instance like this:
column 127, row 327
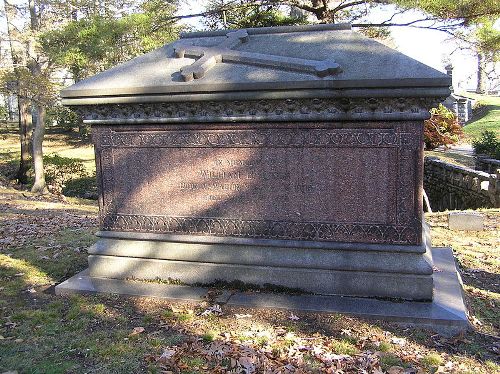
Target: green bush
column 59, row 170
column 84, row 187
column 442, row 128
column 63, row 117
column 487, row 144
column 68, row 120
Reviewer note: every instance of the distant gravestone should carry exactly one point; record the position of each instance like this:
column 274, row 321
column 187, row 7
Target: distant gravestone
column 288, row 156
column 467, row 221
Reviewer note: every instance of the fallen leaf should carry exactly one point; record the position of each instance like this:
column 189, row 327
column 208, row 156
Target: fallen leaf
column 280, row 331
column 475, row 321
column 398, row 341
column 136, row 331
column 396, row 370
column 293, row 317
column 214, row 309
column 239, row 316
column 167, row 354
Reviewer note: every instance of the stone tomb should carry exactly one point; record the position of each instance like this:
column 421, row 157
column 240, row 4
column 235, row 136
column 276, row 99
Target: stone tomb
column 289, row 156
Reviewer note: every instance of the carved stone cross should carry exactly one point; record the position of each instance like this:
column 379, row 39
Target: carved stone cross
column 208, row 57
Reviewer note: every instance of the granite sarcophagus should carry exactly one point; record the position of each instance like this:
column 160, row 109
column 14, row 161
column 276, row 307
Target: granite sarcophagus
column 288, row 156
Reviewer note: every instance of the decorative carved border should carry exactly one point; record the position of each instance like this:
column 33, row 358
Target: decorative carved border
column 405, row 108
column 262, row 229
column 403, row 137
column 258, row 138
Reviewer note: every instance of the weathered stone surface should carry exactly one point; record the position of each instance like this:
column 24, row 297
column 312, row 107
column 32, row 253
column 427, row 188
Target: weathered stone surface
column 242, row 106
column 319, row 281
column 354, row 259
column 468, row 221
column 292, row 182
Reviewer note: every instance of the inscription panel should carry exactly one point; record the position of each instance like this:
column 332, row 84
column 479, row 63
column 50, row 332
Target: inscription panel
column 325, row 184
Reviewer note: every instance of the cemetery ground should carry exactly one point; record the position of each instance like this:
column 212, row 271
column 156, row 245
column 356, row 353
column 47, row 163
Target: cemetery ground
column 486, row 115
column 43, row 241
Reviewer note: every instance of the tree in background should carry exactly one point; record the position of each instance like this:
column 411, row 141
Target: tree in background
column 10, row 84
column 486, row 44
column 94, row 43
column 81, row 36
column 251, row 13
column 472, row 22
column 469, row 21
column 245, row 14
column 28, row 80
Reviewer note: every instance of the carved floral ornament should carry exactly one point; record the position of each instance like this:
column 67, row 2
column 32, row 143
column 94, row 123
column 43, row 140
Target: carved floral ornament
column 260, row 110
column 259, row 138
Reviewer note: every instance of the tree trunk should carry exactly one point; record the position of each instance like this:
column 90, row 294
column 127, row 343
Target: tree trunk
column 24, row 115
column 481, row 74
column 39, row 186
column 24, row 136
column 36, row 70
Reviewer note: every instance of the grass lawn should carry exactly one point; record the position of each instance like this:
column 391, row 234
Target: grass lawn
column 55, row 142
column 488, row 120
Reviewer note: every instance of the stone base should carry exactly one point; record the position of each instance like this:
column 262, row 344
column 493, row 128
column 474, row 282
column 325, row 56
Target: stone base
column 446, row 313
column 403, row 272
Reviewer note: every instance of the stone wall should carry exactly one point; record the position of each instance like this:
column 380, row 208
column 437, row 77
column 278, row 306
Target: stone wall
column 461, row 106
column 453, row 187
column 487, row 164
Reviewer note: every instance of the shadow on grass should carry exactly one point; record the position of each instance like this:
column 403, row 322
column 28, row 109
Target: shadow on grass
column 482, row 112
column 70, row 136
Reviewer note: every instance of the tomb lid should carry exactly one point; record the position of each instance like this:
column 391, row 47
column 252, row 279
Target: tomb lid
column 277, row 62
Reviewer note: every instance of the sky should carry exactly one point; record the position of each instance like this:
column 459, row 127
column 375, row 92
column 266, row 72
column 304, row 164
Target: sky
column 430, row 47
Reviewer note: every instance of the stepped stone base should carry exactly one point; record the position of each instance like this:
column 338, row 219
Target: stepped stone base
column 403, row 272
column 445, row 313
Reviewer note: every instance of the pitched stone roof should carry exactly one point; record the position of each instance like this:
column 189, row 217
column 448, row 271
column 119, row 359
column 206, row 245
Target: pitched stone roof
column 278, row 62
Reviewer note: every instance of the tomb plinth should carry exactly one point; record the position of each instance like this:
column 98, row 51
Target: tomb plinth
column 287, row 156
